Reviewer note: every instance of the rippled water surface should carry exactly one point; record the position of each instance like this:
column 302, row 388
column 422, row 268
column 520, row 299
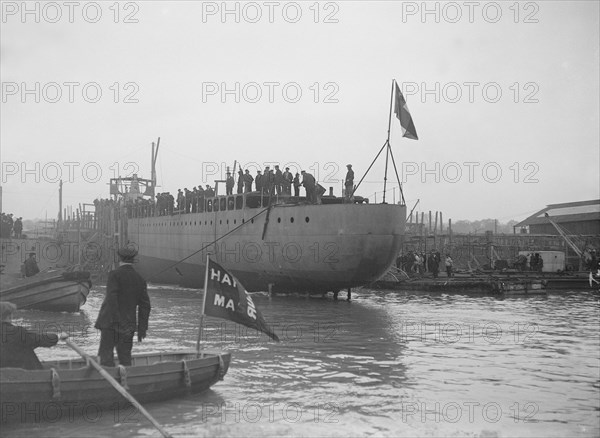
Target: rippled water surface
column 386, row 364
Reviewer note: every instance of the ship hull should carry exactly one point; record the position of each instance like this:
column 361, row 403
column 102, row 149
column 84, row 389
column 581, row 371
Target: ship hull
column 304, row 248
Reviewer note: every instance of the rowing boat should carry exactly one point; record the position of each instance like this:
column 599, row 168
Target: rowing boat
column 52, row 291
column 68, row 388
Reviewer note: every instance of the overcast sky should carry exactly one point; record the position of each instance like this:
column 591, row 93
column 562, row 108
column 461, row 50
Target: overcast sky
column 504, row 97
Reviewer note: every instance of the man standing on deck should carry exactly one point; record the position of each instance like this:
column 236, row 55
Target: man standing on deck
column 248, row 180
column 126, row 295
column 240, row 182
column 229, row 183
column 296, row 183
column 258, row 181
column 187, row 200
column 349, row 182
column 267, row 181
column 287, row 182
column 278, row 180
column 309, row 183
column 180, row 200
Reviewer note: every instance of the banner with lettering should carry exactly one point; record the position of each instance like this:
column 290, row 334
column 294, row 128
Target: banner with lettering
column 226, row 298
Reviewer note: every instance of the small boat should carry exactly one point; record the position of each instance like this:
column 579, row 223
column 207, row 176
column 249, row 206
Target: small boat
column 65, row 388
column 58, row 291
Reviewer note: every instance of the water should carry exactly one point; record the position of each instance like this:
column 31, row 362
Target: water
column 387, row 364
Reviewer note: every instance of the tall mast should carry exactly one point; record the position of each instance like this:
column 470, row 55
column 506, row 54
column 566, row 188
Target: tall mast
column 153, row 165
column 387, row 151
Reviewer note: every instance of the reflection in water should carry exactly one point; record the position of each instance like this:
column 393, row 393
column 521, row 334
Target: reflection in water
column 386, row 364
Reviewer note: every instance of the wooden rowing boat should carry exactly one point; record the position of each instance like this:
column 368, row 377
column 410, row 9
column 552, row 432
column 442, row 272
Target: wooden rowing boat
column 56, row 291
column 68, row 388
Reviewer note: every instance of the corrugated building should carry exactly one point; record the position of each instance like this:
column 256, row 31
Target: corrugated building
column 581, row 218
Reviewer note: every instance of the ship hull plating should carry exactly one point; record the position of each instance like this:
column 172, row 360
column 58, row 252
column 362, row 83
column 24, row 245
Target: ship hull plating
column 306, row 248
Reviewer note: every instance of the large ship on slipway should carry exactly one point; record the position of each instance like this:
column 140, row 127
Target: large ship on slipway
column 270, row 243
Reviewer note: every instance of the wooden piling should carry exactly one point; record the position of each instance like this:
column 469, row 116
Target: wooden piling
column 429, row 221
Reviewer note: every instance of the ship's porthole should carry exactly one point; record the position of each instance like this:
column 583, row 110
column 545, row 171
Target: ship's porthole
column 234, row 221
column 252, row 220
column 278, row 220
column 243, row 220
column 220, row 222
column 307, row 219
column 227, row 221
column 292, row 220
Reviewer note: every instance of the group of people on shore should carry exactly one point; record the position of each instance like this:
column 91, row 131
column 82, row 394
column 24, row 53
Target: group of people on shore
column 419, row 263
column 530, row 262
column 10, row 227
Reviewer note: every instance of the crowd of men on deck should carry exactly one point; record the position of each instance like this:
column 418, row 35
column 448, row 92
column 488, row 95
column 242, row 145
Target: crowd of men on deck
column 269, row 183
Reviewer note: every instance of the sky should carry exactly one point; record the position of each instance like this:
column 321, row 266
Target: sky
column 504, row 97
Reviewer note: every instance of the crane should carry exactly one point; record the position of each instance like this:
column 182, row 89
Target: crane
column 563, row 234
column 567, row 239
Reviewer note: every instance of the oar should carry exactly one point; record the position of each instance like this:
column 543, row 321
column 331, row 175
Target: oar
column 118, row 387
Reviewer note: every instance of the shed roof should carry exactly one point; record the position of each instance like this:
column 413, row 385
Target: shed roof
column 566, row 212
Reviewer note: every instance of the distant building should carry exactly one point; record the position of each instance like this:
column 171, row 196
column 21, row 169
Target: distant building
column 575, row 217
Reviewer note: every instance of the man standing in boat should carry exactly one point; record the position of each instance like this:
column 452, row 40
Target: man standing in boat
column 126, row 295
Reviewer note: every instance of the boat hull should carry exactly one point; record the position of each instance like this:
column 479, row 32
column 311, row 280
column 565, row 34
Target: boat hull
column 67, row 388
column 46, row 291
column 314, row 248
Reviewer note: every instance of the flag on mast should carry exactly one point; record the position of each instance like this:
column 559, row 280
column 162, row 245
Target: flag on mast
column 225, row 297
column 402, row 113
